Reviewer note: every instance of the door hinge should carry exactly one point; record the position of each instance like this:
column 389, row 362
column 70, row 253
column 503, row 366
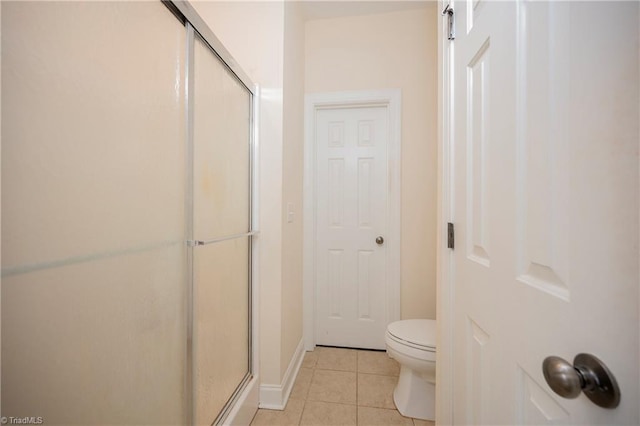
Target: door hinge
column 450, row 22
column 450, row 236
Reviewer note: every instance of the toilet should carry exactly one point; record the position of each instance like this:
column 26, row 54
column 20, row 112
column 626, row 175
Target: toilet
column 413, row 344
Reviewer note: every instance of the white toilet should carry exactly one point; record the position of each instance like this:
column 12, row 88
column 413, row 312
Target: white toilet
column 413, row 344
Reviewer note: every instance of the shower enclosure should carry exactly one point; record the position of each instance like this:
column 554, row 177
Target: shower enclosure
column 127, row 225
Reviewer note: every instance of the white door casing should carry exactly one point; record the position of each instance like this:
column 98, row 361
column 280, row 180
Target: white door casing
column 352, row 196
column 540, row 177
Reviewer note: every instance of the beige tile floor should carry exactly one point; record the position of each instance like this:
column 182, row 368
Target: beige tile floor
column 341, row 387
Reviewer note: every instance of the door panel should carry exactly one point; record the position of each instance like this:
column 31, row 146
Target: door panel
column 478, row 164
column 542, row 185
column 546, row 206
column 352, row 212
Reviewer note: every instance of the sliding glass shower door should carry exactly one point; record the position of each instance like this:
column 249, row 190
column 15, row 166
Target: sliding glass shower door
column 126, row 216
column 222, row 232
column 94, row 276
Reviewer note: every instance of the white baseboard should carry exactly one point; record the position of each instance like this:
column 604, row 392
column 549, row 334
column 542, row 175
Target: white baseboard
column 275, row 397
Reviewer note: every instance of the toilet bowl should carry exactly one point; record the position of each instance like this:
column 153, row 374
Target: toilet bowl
column 413, row 344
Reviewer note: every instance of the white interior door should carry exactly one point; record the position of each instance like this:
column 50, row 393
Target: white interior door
column 545, row 196
column 351, row 200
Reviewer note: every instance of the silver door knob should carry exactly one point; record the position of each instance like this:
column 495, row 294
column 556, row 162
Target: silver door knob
column 587, row 374
column 379, row 240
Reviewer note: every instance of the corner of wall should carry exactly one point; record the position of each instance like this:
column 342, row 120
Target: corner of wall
column 275, row 397
column 292, row 177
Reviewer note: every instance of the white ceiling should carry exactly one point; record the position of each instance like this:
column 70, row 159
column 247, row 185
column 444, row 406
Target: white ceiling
column 337, row 8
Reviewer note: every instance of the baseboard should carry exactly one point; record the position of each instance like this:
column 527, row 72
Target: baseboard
column 275, row 397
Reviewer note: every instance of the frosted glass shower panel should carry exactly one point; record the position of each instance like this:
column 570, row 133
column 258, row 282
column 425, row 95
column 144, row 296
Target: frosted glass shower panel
column 92, row 128
column 222, row 124
column 94, row 271
column 97, row 343
column 221, row 326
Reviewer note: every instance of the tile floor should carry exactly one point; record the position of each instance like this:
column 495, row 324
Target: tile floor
column 341, row 387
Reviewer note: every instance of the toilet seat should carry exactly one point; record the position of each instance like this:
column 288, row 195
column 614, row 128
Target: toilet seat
column 417, row 333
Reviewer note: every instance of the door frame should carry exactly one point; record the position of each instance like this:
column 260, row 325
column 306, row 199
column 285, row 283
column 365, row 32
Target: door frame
column 445, row 284
column 391, row 100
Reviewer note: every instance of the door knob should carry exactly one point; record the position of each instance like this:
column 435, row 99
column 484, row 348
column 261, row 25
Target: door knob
column 587, row 374
column 379, row 240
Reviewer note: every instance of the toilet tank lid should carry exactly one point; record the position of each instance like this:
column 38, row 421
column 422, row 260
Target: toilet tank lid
column 418, row 331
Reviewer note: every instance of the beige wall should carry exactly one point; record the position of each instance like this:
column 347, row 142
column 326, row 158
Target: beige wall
column 386, row 51
column 292, row 172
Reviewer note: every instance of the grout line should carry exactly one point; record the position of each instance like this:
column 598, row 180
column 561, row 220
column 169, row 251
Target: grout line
column 314, row 367
column 357, row 380
column 313, row 374
column 304, row 406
